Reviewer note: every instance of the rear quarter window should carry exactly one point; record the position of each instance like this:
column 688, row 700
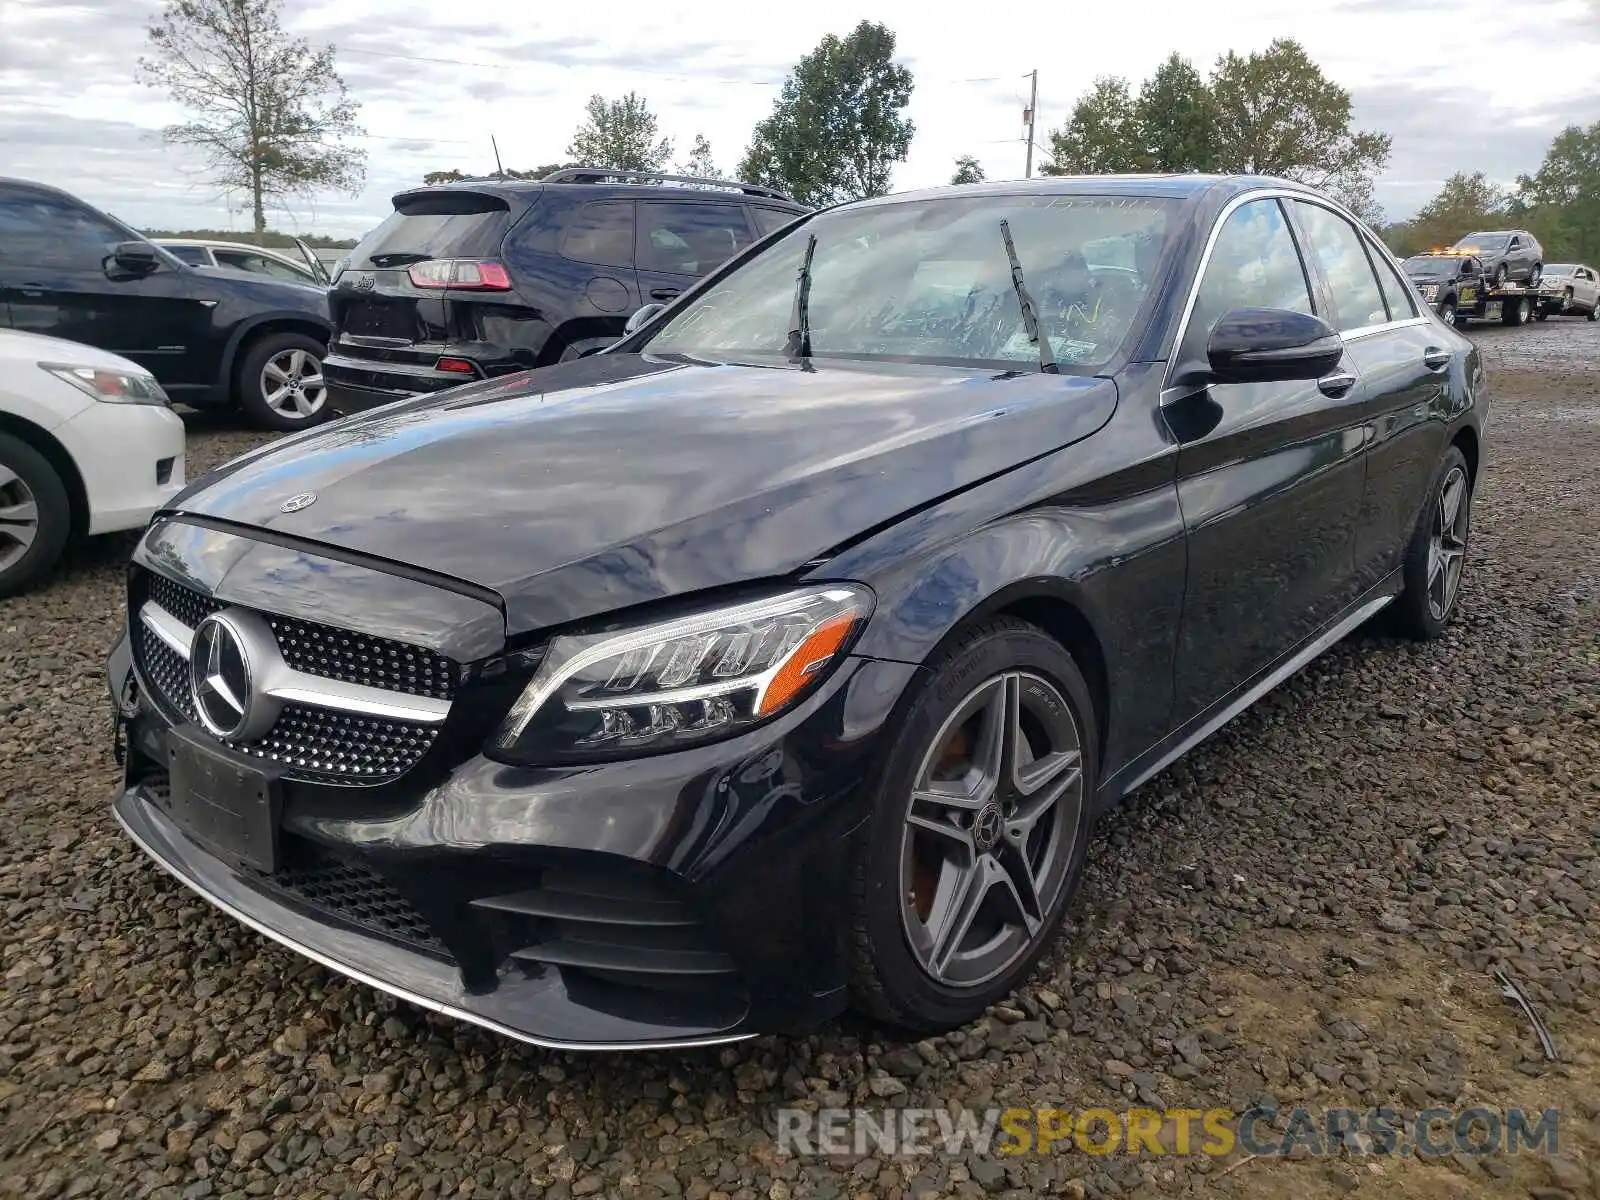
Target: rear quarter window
column 599, row 233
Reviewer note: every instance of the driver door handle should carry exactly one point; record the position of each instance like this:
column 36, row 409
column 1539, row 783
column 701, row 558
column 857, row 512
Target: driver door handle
column 1435, row 359
column 1337, row 384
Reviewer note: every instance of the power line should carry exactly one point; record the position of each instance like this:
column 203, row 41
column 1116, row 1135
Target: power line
column 504, row 66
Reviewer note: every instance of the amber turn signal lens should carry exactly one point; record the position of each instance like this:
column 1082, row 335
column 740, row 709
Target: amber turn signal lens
column 804, row 661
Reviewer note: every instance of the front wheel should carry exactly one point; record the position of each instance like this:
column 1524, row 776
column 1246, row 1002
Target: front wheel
column 1437, row 554
column 281, row 384
column 1500, row 275
column 1447, row 312
column 35, row 515
column 979, row 826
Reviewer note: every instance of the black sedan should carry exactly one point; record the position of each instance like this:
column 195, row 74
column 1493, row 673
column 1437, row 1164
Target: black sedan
column 779, row 659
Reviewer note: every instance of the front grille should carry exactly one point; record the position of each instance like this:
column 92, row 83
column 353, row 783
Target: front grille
column 317, row 745
column 357, row 895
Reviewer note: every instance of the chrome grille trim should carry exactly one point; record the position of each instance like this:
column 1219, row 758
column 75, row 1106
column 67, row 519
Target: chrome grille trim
column 283, row 682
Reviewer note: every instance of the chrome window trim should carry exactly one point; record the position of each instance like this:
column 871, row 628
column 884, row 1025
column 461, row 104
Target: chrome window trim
column 1270, row 193
column 282, row 682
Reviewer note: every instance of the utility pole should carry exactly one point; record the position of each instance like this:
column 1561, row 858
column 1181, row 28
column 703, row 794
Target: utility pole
column 1033, row 103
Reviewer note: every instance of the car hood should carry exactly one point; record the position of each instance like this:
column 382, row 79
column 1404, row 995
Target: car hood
column 617, row 479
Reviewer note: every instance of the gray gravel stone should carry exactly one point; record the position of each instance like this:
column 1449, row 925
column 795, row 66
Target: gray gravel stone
column 1308, row 907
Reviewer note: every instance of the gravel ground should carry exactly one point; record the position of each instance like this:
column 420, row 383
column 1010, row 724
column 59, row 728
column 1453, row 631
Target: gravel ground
column 1306, row 910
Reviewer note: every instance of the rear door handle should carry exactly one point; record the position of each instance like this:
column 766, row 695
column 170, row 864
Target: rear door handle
column 1435, row 359
column 1336, row 384
column 663, row 293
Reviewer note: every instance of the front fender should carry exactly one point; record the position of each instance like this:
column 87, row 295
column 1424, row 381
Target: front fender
column 1071, row 531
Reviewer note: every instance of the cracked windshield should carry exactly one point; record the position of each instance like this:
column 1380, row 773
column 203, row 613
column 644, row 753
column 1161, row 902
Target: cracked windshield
column 930, row 282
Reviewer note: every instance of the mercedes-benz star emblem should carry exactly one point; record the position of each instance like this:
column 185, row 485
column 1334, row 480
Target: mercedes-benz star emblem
column 295, row 503
column 986, row 826
column 225, row 657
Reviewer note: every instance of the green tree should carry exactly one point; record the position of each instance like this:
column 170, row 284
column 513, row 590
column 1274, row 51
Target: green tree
column 838, row 127
column 620, row 134
column 1177, row 118
column 270, row 115
column 436, row 177
column 1465, row 202
column 1560, row 203
column 699, row 161
column 1102, row 136
column 1277, row 114
column 968, row 170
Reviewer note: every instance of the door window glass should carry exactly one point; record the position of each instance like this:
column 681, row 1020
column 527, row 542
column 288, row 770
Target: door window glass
column 600, row 233
column 769, row 220
column 1254, row 264
column 689, row 239
column 195, row 256
column 260, row 264
column 44, row 230
column 1396, row 291
column 1334, row 242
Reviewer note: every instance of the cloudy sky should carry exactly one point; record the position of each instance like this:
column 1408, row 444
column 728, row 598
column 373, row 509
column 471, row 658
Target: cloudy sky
column 1459, row 84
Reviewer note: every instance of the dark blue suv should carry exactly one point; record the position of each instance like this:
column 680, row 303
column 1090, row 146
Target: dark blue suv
column 486, row 277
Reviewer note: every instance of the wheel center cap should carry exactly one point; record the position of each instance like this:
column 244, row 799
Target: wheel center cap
column 986, row 826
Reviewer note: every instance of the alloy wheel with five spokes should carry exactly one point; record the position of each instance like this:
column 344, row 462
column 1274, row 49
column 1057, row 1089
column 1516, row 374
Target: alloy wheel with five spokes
column 989, row 829
column 292, row 386
column 1447, row 547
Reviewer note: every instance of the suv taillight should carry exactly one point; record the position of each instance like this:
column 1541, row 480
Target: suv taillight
column 465, row 273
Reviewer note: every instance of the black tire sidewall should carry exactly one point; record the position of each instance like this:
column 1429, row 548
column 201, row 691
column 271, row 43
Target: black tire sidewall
column 900, row 990
column 55, row 514
column 1412, row 616
column 251, row 401
column 1447, row 312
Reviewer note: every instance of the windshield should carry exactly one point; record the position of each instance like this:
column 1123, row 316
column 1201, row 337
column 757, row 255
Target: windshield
column 1560, row 269
column 1483, row 241
column 1430, row 265
column 930, row 281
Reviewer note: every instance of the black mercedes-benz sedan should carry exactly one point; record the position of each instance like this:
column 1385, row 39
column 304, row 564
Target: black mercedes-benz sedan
column 779, row 659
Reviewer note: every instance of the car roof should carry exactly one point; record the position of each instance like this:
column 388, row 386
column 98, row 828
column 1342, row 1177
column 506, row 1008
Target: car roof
column 522, row 190
column 1186, row 186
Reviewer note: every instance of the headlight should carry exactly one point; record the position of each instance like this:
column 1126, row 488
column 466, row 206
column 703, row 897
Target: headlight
column 117, row 387
column 680, row 682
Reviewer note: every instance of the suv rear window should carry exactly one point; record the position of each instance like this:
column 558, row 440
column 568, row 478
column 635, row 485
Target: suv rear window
column 445, row 225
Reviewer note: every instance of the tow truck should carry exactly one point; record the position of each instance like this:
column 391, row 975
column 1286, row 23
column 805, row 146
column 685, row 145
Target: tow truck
column 1462, row 293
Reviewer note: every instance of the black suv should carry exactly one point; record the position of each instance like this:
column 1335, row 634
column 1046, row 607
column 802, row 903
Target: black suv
column 486, row 277
column 1449, row 281
column 212, row 337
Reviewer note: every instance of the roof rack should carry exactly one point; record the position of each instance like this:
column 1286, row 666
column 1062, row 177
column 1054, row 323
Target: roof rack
column 610, row 175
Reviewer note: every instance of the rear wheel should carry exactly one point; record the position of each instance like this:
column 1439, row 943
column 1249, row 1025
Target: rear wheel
column 35, row 515
column 978, row 831
column 1500, row 273
column 1515, row 312
column 281, row 384
column 1592, row 314
column 1437, row 554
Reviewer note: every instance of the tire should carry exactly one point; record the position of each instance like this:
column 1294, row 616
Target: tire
column 903, row 875
column 1535, row 273
column 1515, row 312
column 1542, row 315
column 1447, row 312
column 1566, row 301
column 1500, row 274
column 30, row 490
column 295, row 359
column 1422, row 611
column 1592, row 314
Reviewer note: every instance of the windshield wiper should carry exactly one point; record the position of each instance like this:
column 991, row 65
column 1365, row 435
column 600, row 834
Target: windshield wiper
column 1030, row 314
column 799, row 345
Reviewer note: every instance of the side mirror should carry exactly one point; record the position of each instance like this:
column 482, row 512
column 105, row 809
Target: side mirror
column 137, row 258
column 641, row 317
column 1271, row 345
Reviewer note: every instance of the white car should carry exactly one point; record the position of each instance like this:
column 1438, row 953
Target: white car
column 305, row 267
column 88, row 444
column 1569, row 288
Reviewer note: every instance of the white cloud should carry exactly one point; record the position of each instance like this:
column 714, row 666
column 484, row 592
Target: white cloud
column 433, row 88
